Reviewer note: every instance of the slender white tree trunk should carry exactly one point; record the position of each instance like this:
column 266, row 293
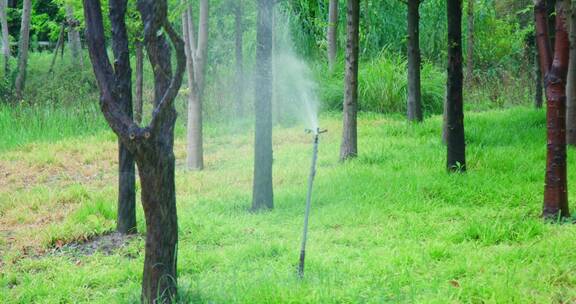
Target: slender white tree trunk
column 23, row 48
column 196, row 60
column 5, row 36
column 74, row 36
column 332, row 35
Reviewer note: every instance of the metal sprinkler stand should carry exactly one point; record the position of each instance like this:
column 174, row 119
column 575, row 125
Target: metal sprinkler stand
column 316, row 134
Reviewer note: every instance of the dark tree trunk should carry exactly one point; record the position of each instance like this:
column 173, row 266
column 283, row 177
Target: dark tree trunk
column 571, row 78
column 23, row 48
column 332, row 34
column 239, row 15
column 455, row 110
column 126, row 218
column 138, row 106
column 152, row 145
column 349, row 147
column 539, row 92
column 262, row 192
column 470, row 40
column 414, row 61
column 554, row 71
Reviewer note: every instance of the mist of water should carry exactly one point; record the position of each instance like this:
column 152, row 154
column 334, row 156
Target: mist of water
column 294, row 86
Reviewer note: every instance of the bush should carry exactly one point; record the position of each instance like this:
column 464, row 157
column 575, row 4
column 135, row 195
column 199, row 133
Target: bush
column 382, row 85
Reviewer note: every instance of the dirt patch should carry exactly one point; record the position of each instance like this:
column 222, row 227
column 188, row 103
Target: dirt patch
column 105, row 244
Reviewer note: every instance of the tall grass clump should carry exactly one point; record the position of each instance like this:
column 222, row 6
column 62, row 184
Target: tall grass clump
column 382, row 85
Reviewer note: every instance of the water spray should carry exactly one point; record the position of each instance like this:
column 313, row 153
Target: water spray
column 316, row 133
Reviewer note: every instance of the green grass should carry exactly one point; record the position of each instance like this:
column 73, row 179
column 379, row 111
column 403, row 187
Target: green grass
column 389, row 227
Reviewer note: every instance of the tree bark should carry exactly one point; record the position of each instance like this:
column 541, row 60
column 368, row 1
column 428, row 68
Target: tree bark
column 456, row 160
column 126, row 217
column 74, row 35
column 197, row 58
column 349, row 147
column 153, row 144
column 139, row 102
column 538, row 94
column 5, row 36
column 470, row 40
column 239, row 15
column 414, row 105
column 554, row 73
column 571, row 86
column 23, row 48
column 262, row 191
column 332, row 34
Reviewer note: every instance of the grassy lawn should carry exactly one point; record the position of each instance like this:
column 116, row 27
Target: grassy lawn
column 389, row 227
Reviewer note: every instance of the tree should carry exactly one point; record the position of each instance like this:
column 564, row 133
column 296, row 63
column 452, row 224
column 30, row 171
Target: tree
column 138, row 103
column 73, row 35
column 152, row 145
column 262, row 190
column 332, row 33
column 414, row 105
column 196, row 60
column 454, row 104
column 5, row 36
column 554, row 73
column 349, row 147
column 571, row 78
column 470, row 40
column 239, row 35
column 23, row 48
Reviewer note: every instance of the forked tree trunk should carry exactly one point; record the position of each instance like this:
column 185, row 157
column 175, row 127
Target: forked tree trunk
column 332, row 34
column 456, row 160
column 414, row 105
column 239, row 33
column 554, row 71
column 349, row 147
column 571, row 86
column 74, row 36
column 262, row 191
column 470, row 41
column 198, row 52
column 152, row 145
column 23, row 48
column 5, row 36
column 138, row 103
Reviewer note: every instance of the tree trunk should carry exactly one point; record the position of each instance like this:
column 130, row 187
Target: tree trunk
column 538, row 94
column 5, row 36
column 197, row 54
column 139, row 83
column 23, row 48
column 349, row 147
column 571, row 86
column 239, row 15
column 332, row 35
column 455, row 111
column 152, row 145
column 194, row 132
column 262, row 191
column 470, row 40
column 554, row 71
column 74, row 36
column 414, row 62
column 59, row 44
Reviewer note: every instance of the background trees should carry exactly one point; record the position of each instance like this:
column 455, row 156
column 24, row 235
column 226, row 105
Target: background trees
column 262, row 190
column 23, row 45
column 349, row 147
column 454, row 103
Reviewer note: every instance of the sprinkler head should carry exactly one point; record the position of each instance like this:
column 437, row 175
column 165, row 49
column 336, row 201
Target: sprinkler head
column 317, row 131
